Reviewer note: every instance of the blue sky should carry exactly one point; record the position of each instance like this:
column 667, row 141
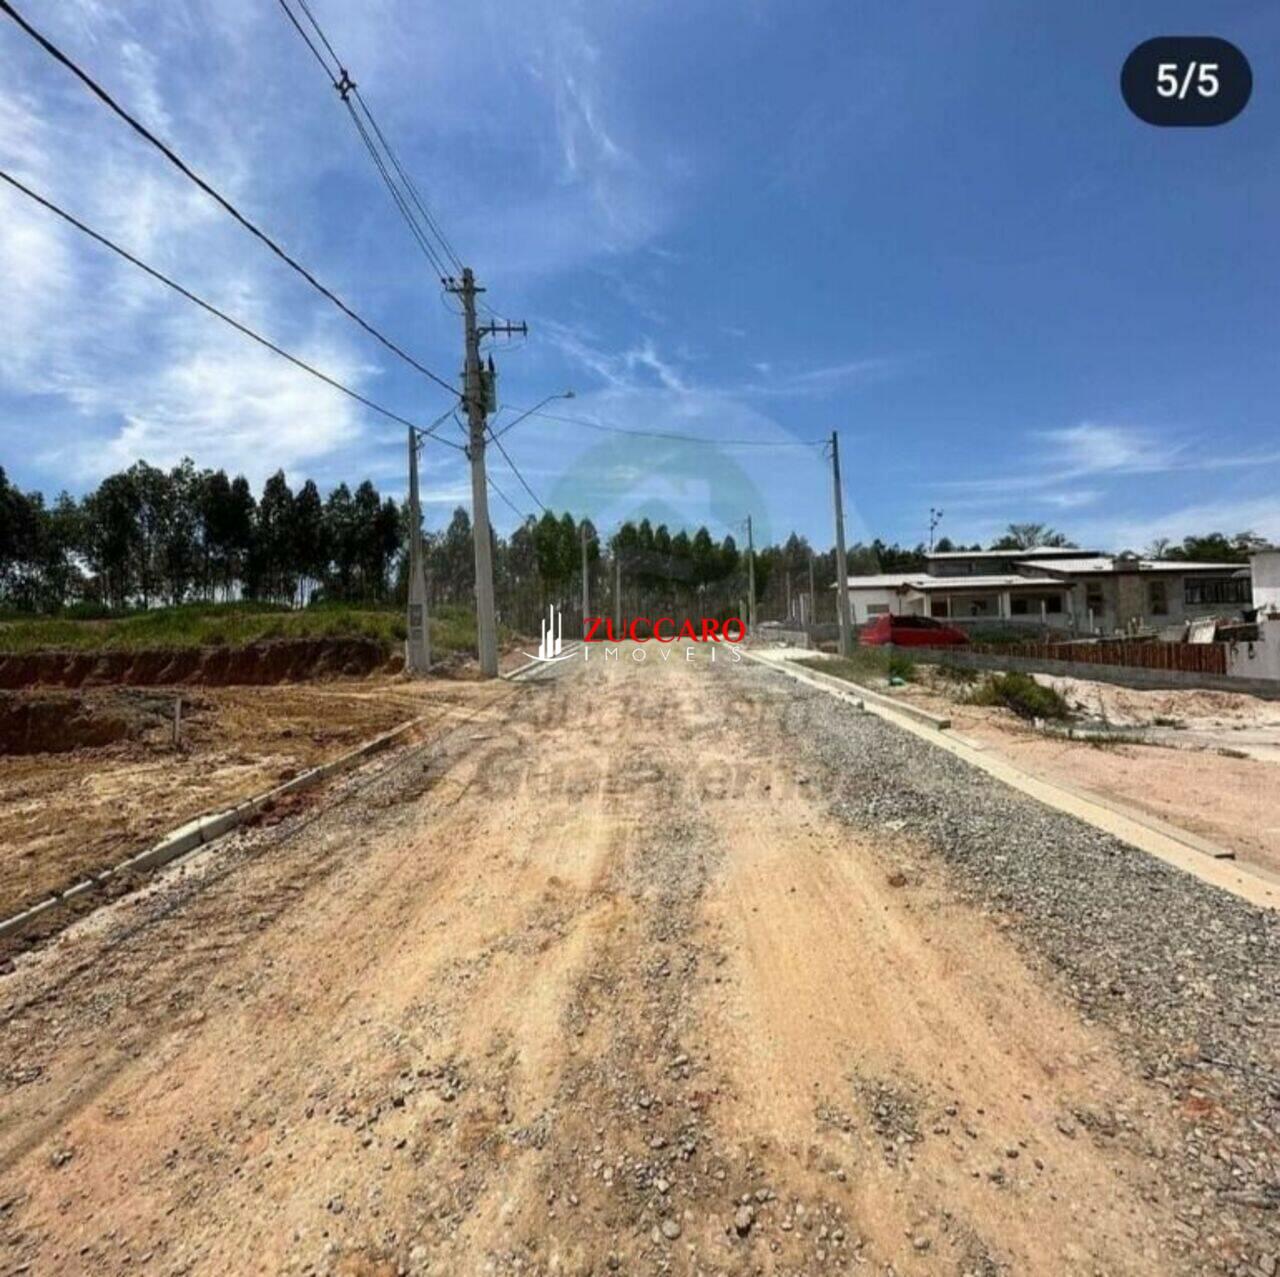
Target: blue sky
column 933, row 227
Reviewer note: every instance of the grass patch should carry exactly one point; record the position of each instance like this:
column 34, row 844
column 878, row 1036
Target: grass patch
column 902, row 666
column 869, row 666
column 964, row 675
column 230, row 625
column 1020, row 693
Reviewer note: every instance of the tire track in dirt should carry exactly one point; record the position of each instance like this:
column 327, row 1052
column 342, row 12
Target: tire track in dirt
column 897, row 1050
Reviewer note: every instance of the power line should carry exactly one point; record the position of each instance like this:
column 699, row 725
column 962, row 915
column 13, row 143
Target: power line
column 516, row 471
column 289, row 13
column 414, row 229
column 515, row 509
column 407, row 198
column 409, row 184
column 668, row 434
column 306, row 8
column 141, row 129
column 213, row 310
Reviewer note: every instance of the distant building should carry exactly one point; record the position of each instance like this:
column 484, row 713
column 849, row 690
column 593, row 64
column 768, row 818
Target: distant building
column 1264, row 569
column 1120, row 591
column 1064, row 587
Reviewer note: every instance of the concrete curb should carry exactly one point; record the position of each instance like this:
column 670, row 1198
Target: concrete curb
column 855, row 692
column 1186, row 851
column 206, row 829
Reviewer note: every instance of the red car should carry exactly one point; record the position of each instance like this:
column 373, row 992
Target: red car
column 911, row 631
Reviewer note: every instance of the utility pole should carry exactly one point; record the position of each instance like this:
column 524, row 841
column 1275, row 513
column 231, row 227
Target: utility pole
column 586, row 586
column 813, row 594
column 478, row 395
column 418, row 644
column 842, row 565
column 751, row 581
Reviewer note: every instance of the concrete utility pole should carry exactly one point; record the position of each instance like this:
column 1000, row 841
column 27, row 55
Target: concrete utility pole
column 478, row 393
column 842, row 565
column 418, row 645
column 751, row 580
column 586, row 582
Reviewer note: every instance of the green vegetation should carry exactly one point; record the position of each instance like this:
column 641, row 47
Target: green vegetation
column 902, row 666
column 869, row 666
column 962, row 674
column 230, row 624
column 1020, row 693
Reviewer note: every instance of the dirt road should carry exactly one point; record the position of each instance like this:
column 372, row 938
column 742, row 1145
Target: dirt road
column 597, row 982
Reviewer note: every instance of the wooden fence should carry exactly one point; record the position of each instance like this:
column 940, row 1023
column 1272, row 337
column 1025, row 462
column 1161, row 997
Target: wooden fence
column 1188, row 658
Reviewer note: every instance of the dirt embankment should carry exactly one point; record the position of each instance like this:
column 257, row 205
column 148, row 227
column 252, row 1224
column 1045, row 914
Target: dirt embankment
column 58, row 722
column 275, row 661
column 90, row 776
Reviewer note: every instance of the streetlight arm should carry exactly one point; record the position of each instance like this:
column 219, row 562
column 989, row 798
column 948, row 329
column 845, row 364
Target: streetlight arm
column 564, row 394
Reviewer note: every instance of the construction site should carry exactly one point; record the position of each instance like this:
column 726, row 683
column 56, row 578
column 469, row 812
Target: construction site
column 559, row 841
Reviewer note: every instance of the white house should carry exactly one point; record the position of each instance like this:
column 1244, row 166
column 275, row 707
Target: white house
column 1261, row 657
column 1061, row 587
column 1111, row 592
column 1265, row 569
column 990, row 596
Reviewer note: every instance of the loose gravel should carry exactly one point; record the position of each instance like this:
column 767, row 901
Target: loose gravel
column 1186, row 975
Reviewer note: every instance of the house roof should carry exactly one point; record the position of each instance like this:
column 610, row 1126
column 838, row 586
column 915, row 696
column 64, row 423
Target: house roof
column 1105, row 564
column 1040, row 552
column 950, row 584
column 1004, row 581
column 885, row 581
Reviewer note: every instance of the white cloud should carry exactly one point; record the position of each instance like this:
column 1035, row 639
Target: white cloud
column 527, row 100
column 617, row 369
column 1089, row 448
column 646, row 356
column 1071, row 500
column 247, row 410
column 819, row 381
column 1090, row 451
column 141, row 372
column 1259, row 515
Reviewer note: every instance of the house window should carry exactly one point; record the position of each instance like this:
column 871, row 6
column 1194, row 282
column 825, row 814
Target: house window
column 1201, row 591
column 1158, row 598
column 1053, row 603
column 1093, row 598
column 939, row 607
column 877, row 609
column 1018, row 607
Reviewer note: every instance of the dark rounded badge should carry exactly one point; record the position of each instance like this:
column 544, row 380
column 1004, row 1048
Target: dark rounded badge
column 1181, row 81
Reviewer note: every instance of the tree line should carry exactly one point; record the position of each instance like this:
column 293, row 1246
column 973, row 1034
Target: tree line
column 146, row 536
